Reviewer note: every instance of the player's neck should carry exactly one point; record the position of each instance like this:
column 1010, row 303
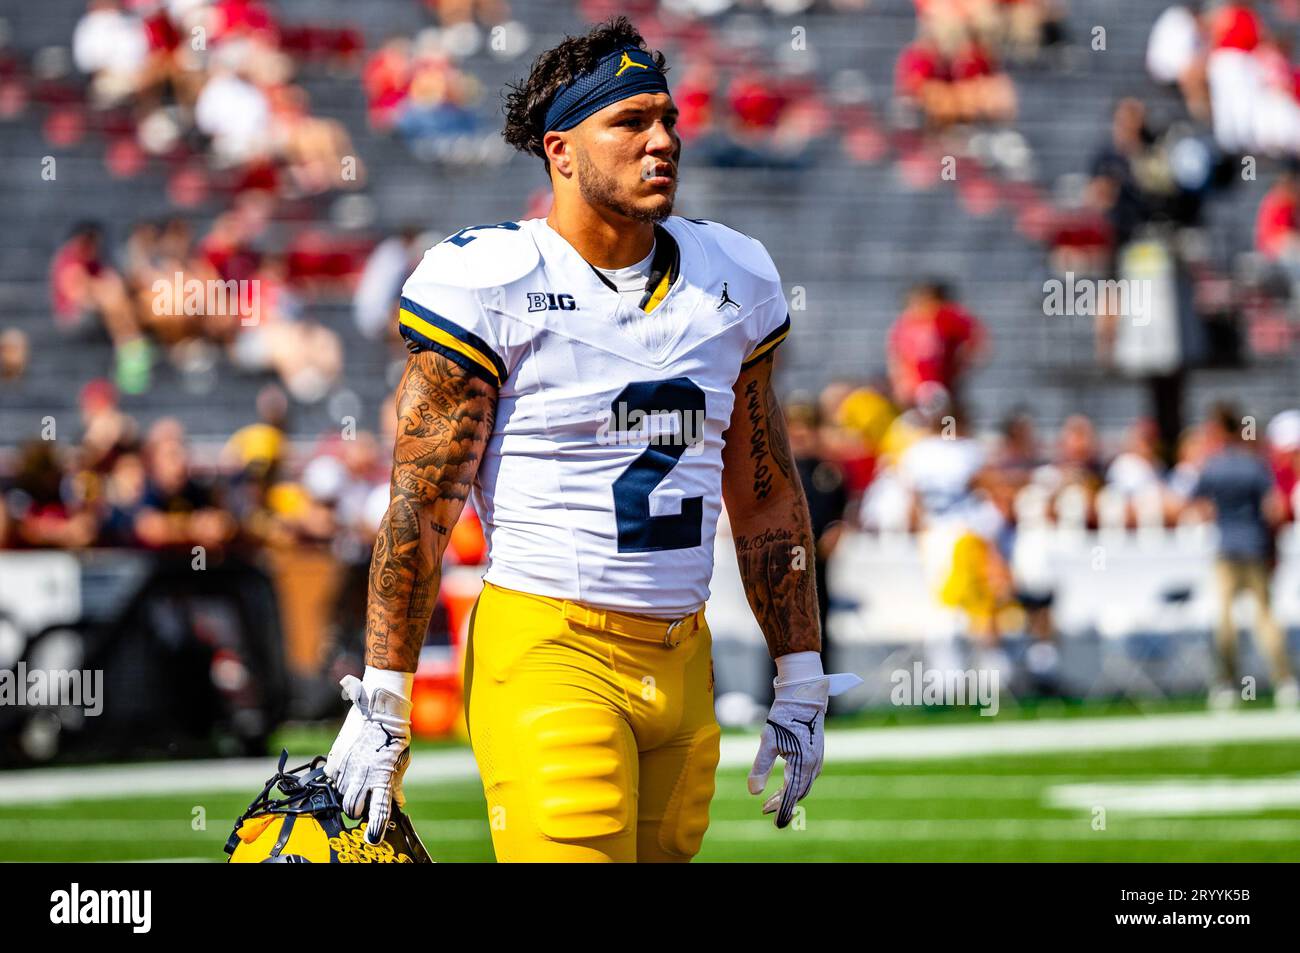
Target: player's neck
column 609, row 241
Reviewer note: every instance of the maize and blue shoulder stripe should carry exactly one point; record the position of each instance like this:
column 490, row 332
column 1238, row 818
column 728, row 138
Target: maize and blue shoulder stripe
column 768, row 344
column 427, row 330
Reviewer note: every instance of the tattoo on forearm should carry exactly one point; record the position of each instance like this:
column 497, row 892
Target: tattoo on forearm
column 758, row 440
column 776, row 565
column 445, row 417
column 768, row 537
column 774, row 545
column 779, row 439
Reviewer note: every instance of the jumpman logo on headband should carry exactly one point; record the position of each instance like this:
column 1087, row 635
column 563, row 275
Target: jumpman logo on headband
column 627, row 61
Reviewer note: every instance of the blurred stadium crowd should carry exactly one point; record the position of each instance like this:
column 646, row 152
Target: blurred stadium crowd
column 209, row 86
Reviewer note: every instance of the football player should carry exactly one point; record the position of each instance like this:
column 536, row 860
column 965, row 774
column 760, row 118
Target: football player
column 600, row 382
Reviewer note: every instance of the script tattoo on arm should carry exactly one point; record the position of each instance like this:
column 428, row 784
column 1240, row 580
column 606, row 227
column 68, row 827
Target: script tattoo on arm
column 444, row 419
column 769, row 517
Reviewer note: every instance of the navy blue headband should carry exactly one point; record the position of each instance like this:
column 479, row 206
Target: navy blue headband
column 618, row 75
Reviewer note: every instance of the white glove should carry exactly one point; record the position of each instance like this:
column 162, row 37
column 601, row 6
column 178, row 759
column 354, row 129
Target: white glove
column 794, row 730
column 370, row 755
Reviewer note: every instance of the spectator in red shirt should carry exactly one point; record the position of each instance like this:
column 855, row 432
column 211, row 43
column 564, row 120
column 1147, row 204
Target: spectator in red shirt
column 923, row 80
column 1235, row 26
column 934, row 340
column 1276, row 223
column 984, row 92
column 85, row 288
column 1234, row 76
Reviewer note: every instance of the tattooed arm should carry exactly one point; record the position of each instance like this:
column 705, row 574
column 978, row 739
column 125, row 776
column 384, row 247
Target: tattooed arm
column 769, row 517
column 444, row 419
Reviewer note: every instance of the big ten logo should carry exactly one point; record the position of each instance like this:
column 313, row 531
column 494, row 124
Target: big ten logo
column 549, row 301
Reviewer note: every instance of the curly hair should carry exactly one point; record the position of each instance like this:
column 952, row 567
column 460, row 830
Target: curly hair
column 526, row 103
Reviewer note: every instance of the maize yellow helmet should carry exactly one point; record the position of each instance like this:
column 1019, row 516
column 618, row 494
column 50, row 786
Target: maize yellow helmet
column 298, row 819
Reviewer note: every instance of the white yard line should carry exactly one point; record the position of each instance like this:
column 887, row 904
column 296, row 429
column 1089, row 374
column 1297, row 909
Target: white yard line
column 992, row 737
column 1179, row 797
column 1008, row 829
column 245, row 775
column 984, row 738
column 172, row 833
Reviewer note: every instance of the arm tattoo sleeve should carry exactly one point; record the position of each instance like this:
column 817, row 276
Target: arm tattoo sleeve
column 769, row 517
column 444, row 419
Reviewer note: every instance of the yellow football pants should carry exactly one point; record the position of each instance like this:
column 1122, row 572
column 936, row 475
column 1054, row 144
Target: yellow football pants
column 594, row 731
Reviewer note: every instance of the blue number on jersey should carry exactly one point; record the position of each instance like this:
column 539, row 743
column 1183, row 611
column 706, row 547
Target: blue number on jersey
column 638, row 531
column 460, row 241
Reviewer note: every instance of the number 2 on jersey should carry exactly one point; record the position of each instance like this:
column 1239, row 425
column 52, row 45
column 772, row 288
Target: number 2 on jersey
column 638, row 531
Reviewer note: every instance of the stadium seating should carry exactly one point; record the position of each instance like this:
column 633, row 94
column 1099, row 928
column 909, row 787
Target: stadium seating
column 846, row 233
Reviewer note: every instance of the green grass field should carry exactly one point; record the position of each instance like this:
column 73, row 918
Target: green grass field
column 1191, row 802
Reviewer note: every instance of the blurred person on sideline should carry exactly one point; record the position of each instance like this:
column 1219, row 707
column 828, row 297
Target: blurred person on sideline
column 178, row 511
column 959, row 529
column 45, row 512
column 1075, row 462
column 1137, row 472
column 824, row 486
column 934, row 341
column 85, row 289
column 15, row 352
column 1284, row 452
column 1238, row 486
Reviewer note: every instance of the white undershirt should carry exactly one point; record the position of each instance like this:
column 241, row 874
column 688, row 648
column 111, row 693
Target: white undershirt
column 630, row 281
column 651, row 329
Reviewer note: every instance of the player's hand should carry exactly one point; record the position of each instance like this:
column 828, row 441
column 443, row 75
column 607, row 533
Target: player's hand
column 794, row 730
column 371, row 753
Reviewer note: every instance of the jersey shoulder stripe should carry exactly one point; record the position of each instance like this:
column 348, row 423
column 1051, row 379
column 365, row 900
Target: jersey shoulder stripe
column 428, row 330
column 768, row 344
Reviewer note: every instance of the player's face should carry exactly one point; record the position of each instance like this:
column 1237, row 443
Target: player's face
column 627, row 157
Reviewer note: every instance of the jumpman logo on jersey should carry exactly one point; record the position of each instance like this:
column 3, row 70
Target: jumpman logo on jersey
column 391, row 739
column 726, row 299
column 626, row 62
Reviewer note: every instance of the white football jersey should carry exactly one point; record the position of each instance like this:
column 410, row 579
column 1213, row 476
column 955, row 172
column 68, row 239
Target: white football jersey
column 602, row 480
